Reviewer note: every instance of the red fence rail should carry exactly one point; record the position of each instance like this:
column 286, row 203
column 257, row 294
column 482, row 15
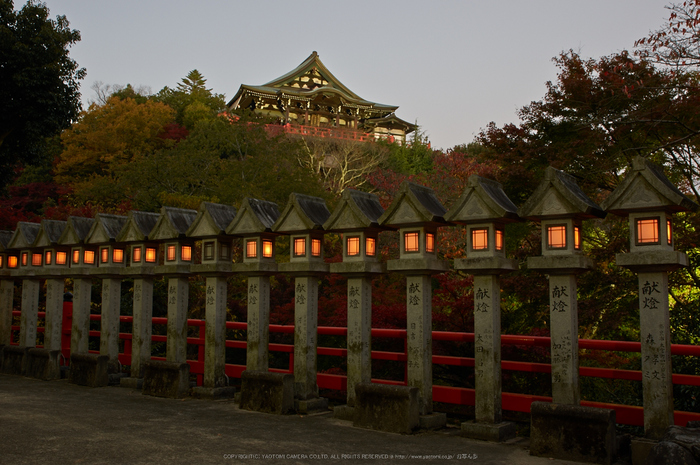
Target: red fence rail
column 626, row 414
column 315, row 131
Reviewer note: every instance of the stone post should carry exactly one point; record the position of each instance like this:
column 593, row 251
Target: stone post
column 305, row 336
column 420, row 340
column 655, row 332
column 564, row 339
column 258, row 323
column 30, row 310
column 359, row 337
column 215, row 333
column 7, row 293
column 109, row 325
column 82, row 296
column 54, row 313
column 142, row 326
column 178, row 295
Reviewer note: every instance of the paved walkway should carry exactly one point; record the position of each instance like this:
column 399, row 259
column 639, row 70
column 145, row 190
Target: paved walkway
column 56, row 422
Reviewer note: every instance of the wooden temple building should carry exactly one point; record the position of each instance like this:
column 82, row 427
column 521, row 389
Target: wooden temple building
column 310, row 100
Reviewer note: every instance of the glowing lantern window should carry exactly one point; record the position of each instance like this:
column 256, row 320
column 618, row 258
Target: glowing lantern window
column 480, row 239
column 499, row 239
column 150, row 255
column 648, row 231
column 36, row 259
column 353, row 246
column 577, row 238
column 410, row 242
column 316, row 247
column 24, row 258
column 371, row 247
column 209, row 250
column 251, row 249
column 556, row 237
column 171, row 253
column 118, row 255
column 89, row 257
column 48, row 257
column 267, row 249
column 430, row 242
column 104, row 255
column 224, row 251
column 136, row 255
column 668, row 231
column 299, row 247
column 12, row 261
column 1, row 261
column 76, row 256
column 61, row 258
column 186, row 253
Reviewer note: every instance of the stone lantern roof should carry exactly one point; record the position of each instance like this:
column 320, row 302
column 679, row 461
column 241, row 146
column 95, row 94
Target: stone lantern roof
column 5, row 237
column 138, row 226
column 356, row 210
column 105, row 229
column 646, row 188
column 414, row 205
column 559, row 196
column 50, row 233
column 77, row 229
column 302, row 213
column 24, row 235
column 483, row 200
column 212, row 220
column 173, row 223
column 254, row 217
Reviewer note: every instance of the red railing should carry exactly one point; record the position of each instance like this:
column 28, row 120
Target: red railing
column 625, row 414
column 315, row 131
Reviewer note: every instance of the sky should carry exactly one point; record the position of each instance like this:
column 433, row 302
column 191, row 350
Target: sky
column 452, row 66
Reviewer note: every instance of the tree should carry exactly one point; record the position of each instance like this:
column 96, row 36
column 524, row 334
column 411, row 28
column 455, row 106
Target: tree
column 191, row 100
column 39, row 82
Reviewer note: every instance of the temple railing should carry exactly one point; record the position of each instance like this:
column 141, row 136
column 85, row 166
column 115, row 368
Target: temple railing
column 626, row 414
column 315, row 131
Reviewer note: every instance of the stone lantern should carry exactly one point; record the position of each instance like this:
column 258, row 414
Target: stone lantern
column 30, row 269
column 254, row 224
column 171, row 230
column 417, row 213
column 143, row 258
column 7, row 288
column 649, row 199
column 56, row 262
column 303, row 220
column 111, row 260
column 210, row 226
column 485, row 210
column 82, row 260
column 356, row 218
column 559, row 205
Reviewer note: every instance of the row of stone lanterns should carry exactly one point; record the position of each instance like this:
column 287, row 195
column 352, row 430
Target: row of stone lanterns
column 82, row 248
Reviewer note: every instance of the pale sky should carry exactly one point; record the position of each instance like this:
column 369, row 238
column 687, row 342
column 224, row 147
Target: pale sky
column 453, row 66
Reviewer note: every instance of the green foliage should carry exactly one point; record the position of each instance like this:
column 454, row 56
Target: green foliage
column 414, row 157
column 39, row 82
column 191, row 100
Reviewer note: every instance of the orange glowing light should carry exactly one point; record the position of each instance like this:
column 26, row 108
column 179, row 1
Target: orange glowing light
column 76, row 256
column 136, row 255
column 150, row 255
column 299, row 247
column 186, row 253
column 648, row 231
column 251, row 248
column 267, row 249
column 48, row 257
column 171, row 253
column 410, row 242
column 353, row 244
column 118, row 255
column 371, row 247
column 61, row 258
column 668, row 231
column 499, row 239
column 556, row 237
column 24, row 258
column 430, row 242
column 480, row 239
column 12, row 261
column 316, row 247
column 578, row 242
column 104, row 255
column 89, row 257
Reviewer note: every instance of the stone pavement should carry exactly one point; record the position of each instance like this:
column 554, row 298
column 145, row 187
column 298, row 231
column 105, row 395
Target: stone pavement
column 56, row 422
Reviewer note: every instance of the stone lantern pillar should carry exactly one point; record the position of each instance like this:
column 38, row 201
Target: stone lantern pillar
column 303, row 220
column 649, row 199
column 560, row 206
column 7, row 288
column 56, row 262
column 417, row 214
column 254, row 224
column 82, row 259
column 143, row 258
column 30, row 268
column 177, row 250
column 356, row 218
column 485, row 210
column 210, row 226
column 111, row 260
